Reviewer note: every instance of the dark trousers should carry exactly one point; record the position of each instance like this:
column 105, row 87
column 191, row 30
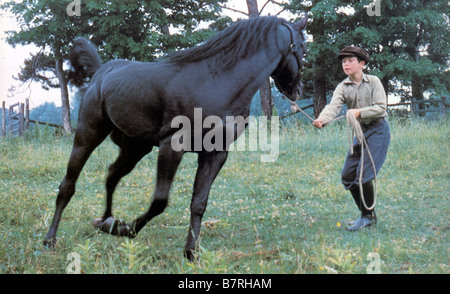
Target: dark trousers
column 378, row 137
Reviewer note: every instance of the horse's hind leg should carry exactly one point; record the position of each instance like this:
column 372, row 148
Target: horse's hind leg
column 168, row 161
column 130, row 154
column 85, row 141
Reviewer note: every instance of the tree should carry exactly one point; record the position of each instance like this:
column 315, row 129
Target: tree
column 121, row 29
column 46, row 112
column 265, row 91
column 413, row 46
column 408, row 42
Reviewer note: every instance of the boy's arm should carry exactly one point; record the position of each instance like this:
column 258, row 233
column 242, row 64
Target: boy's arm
column 331, row 110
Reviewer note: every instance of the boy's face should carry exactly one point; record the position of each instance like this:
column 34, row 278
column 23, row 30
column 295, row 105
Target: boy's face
column 351, row 65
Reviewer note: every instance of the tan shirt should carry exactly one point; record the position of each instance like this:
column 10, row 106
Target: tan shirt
column 368, row 96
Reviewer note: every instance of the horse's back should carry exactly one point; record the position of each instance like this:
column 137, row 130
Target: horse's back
column 128, row 92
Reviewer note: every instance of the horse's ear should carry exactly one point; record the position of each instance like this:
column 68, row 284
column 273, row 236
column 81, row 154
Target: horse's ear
column 301, row 24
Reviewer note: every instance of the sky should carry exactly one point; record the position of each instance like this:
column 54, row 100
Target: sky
column 11, row 60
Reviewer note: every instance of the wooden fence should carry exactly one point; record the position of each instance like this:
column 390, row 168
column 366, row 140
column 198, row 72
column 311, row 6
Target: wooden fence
column 416, row 107
column 19, row 120
column 421, row 107
column 19, row 114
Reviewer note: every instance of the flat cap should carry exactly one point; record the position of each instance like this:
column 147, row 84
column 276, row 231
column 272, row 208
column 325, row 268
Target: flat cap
column 354, row 51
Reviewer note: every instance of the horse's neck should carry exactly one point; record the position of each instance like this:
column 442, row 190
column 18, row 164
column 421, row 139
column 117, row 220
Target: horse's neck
column 248, row 75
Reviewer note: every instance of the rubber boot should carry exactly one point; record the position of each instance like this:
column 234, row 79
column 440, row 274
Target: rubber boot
column 357, row 197
column 368, row 217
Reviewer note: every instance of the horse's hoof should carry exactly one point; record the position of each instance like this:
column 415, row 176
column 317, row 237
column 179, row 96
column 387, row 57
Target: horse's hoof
column 112, row 226
column 124, row 230
column 50, row 243
column 97, row 222
column 109, row 225
column 190, row 254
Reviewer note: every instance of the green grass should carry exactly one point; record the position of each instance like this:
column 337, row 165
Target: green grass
column 283, row 217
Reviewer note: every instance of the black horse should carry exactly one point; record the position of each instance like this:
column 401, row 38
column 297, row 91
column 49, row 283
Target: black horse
column 136, row 102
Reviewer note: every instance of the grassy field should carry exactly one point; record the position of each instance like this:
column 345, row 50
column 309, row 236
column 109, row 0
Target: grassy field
column 283, row 217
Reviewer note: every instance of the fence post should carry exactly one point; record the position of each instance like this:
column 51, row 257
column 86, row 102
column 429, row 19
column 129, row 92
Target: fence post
column 443, row 109
column 3, row 119
column 21, row 118
column 11, row 119
column 27, row 113
column 413, row 106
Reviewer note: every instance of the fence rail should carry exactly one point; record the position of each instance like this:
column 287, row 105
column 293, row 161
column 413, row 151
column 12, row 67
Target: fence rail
column 420, row 107
column 19, row 114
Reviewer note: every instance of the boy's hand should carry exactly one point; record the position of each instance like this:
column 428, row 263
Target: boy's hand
column 318, row 123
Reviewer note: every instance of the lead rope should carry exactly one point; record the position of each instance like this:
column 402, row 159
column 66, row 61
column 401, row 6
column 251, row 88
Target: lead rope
column 356, row 131
column 295, row 108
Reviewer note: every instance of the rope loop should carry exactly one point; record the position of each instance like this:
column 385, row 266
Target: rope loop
column 356, row 131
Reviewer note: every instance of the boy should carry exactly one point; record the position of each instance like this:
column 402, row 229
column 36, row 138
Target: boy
column 365, row 98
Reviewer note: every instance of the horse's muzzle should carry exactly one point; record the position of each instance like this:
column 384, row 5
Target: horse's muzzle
column 296, row 92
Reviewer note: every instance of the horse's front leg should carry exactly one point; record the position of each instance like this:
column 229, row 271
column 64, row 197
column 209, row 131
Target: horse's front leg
column 209, row 165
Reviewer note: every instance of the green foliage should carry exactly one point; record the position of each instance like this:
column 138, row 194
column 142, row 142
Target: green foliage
column 415, row 38
column 408, row 42
column 133, row 254
column 206, row 262
column 47, row 112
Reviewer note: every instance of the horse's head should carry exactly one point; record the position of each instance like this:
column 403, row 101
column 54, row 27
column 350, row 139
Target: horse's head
column 290, row 69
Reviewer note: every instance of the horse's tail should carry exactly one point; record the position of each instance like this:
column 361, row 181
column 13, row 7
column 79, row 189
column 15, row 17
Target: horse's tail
column 84, row 59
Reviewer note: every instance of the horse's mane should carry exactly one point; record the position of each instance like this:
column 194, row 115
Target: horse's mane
column 236, row 42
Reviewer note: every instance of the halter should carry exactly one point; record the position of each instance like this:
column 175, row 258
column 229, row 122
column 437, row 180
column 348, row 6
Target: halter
column 292, row 49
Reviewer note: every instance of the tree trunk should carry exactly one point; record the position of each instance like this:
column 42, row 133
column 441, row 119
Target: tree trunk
column 252, row 8
column 65, row 106
column 265, row 91
column 416, row 83
column 266, row 99
column 320, row 95
column 417, row 93
column 320, row 81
